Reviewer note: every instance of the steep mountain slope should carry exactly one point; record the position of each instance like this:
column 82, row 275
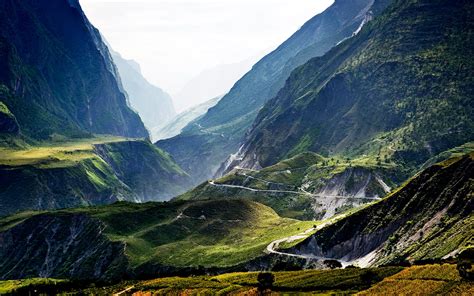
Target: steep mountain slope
column 132, row 240
column 8, row 123
column 86, row 172
column 154, row 106
column 307, row 186
column 204, row 145
column 174, row 127
column 56, row 74
column 428, row 218
column 400, row 91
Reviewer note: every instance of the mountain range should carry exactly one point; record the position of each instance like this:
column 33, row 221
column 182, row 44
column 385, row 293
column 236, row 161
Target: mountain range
column 211, row 83
column 154, row 105
column 220, row 132
column 350, row 147
column 180, row 121
column 392, row 92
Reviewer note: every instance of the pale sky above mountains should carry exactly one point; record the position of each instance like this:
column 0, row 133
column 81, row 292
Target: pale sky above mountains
column 174, row 40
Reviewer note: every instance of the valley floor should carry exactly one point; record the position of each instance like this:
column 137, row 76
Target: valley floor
column 416, row 280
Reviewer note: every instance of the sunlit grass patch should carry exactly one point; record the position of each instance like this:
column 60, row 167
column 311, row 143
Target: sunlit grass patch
column 12, row 285
column 54, row 154
column 423, row 280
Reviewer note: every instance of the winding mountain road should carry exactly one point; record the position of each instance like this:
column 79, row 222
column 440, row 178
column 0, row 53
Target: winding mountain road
column 124, row 291
column 274, row 244
column 212, row 183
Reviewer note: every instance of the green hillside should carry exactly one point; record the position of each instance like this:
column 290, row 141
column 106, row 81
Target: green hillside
column 430, row 217
column 93, row 171
column 149, row 238
column 307, row 186
column 8, row 123
column 399, row 91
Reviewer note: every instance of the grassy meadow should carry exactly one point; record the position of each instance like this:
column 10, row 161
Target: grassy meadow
column 53, row 154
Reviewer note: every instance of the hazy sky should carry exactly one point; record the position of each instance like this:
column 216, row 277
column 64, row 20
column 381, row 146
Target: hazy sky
column 174, row 40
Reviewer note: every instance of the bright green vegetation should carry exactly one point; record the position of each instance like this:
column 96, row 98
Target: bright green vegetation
column 426, row 219
column 221, row 233
column 208, row 233
column 90, row 171
column 54, row 154
column 424, row 280
column 287, row 186
column 4, row 109
column 14, row 285
column 191, row 237
column 392, row 94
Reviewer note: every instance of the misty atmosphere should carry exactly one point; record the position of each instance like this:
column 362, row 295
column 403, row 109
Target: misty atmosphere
column 237, row 147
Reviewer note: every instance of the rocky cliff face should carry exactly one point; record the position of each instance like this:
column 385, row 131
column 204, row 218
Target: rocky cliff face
column 430, row 217
column 59, row 73
column 67, row 246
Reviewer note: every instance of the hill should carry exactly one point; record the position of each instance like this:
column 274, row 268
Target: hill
column 124, row 239
column 93, row 171
column 429, row 218
column 426, row 279
column 306, row 186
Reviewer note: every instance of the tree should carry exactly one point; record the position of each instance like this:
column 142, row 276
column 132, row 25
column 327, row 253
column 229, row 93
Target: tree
column 265, row 281
column 369, row 277
column 333, row 264
column 464, row 265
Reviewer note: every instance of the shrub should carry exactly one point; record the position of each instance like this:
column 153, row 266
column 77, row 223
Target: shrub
column 265, row 281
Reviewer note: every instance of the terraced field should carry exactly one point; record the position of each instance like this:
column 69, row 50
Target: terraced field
column 415, row 280
column 423, row 280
